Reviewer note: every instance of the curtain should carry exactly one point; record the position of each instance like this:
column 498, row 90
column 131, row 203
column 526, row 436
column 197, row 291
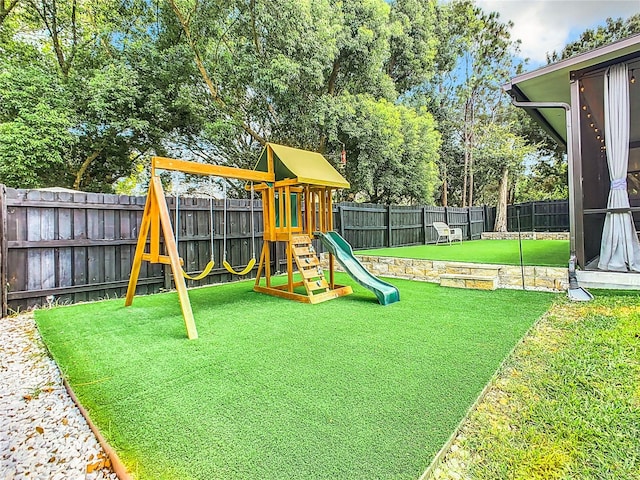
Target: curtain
column 620, row 249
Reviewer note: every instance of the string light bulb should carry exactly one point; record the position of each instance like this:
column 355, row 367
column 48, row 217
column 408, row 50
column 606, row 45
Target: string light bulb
column 633, row 77
column 581, row 87
column 584, row 107
column 589, row 115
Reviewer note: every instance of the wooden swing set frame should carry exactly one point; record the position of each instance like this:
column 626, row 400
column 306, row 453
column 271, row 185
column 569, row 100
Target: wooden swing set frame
column 282, row 223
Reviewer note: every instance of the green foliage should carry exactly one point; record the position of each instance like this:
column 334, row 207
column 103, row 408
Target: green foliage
column 84, row 99
column 546, row 181
column 390, row 150
column 497, row 149
column 612, row 31
column 296, row 69
column 413, row 44
column 407, row 86
column 34, row 126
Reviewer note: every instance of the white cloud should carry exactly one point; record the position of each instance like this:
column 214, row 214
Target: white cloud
column 548, row 25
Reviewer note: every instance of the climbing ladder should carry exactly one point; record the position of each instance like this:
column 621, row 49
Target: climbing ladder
column 308, row 265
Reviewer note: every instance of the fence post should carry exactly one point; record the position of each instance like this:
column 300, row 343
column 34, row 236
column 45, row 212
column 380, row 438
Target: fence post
column 424, row 224
column 469, row 223
column 3, row 250
column 341, row 219
column 446, row 215
column 533, row 216
column 389, row 230
column 485, row 217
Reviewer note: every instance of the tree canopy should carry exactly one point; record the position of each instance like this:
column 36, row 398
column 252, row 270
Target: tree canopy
column 409, row 88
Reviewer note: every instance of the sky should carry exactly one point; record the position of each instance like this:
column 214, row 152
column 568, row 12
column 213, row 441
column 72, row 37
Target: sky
column 548, row 25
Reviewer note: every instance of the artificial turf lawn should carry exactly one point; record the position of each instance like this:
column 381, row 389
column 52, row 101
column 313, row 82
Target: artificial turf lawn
column 549, row 253
column 278, row 389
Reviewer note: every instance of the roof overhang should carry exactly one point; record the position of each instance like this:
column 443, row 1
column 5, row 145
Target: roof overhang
column 552, row 82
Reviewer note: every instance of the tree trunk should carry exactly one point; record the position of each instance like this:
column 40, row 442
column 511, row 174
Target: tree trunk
column 468, row 145
column 256, row 40
column 470, row 203
column 445, row 186
column 83, row 168
column 501, row 208
column 331, row 90
column 464, row 174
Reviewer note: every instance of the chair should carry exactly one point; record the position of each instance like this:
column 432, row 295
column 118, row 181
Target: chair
column 447, row 233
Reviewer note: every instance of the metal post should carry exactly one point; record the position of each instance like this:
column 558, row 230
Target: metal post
column 424, row 224
column 520, row 245
column 389, row 228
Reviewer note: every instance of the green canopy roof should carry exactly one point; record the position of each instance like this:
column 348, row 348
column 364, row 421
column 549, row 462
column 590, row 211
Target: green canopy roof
column 302, row 165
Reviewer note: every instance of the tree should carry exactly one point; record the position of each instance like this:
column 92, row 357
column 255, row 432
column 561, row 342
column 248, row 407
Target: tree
column 392, row 151
column 502, row 153
column 297, row 68
column 547, row 180
column 84, row 94
column 612, row 31
column 473, row 60
column 34, row 126
column 413, row 43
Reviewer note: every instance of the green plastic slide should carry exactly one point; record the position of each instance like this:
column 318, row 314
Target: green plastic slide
column 342, row 251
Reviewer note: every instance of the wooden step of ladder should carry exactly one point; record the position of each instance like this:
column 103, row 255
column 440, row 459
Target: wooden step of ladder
column 308, row 265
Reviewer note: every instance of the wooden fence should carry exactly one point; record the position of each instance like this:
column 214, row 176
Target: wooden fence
column 69, row 246
column 367, row 225
column 543, row 216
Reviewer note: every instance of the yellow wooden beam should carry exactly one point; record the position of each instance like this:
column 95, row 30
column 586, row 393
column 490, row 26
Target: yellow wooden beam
column 339, row 291
column 172, row 251
column 140, row 246
column 287, row 182
column 267, row 263
column 163, row 163
column 165, row 259
column 154, row 246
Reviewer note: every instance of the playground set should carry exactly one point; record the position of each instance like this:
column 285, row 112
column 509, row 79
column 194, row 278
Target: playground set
column 296, row 188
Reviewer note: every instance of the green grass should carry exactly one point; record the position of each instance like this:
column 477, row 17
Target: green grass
column 568, row 403
column 278, row 389
column 548, row 253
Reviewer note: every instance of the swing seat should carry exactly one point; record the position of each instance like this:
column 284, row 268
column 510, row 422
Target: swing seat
column 246, row 270
column 201, row 275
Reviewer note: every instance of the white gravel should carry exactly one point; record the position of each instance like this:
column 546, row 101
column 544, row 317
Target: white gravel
column 43, row 435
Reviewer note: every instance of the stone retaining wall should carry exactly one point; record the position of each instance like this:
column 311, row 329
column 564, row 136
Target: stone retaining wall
column 553, row 279
column 525, row 235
